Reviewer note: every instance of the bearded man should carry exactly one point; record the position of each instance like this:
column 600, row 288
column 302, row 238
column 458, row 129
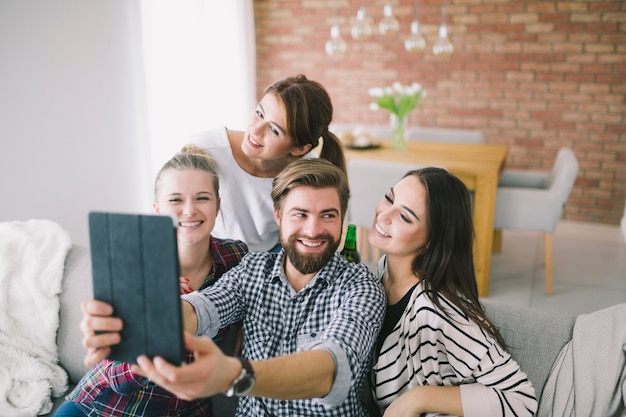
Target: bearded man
column 310, row 318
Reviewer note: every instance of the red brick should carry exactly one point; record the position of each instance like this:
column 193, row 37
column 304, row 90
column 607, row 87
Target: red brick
column 571, row 6
column 586, row 17
column 542, row 7
column 554, row 17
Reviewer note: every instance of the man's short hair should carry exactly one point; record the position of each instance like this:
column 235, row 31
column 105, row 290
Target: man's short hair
column 311, row 172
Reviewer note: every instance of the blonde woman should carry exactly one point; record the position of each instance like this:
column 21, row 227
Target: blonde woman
column 188, row 187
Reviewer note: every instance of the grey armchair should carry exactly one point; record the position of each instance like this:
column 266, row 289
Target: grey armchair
column 534, row 201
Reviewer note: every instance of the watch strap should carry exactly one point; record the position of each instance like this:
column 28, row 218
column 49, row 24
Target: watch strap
column 245, row 364
column 244, row 382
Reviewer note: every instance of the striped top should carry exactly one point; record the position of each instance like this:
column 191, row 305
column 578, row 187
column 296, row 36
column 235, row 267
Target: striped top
column 428, row 347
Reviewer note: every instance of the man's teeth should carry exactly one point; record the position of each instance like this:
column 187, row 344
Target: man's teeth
column 311, row 244
column 190, row 224
column 381, row 231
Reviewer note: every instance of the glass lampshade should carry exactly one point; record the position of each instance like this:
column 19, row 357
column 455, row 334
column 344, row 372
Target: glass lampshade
column 443, row 47
column 335, row 45
column 388, row 24
column 415, row 42
column 361, row 28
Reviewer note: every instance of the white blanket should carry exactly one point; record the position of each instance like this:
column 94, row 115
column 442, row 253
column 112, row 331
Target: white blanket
column 588, row 379
column 32, row 258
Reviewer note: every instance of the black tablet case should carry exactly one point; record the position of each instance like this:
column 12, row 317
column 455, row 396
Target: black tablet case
column 135, row 269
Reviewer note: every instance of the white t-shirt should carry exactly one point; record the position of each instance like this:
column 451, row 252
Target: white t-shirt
column 247, row 211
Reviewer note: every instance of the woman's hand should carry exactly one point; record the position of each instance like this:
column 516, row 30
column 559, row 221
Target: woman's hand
column 100, row 330
column 406, row 405
column 184, row 285
column 427, row 399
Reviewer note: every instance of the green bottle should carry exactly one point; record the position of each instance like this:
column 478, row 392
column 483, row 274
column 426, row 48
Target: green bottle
column 349, row 247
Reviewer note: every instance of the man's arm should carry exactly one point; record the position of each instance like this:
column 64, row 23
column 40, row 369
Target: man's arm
column 308, row 374
column 190, row 318
column 301, row 375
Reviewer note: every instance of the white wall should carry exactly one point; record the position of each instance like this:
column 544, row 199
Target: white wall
column 72, row 119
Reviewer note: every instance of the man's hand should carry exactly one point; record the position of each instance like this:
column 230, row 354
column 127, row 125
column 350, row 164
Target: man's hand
column 211, row 372
column 97, row 318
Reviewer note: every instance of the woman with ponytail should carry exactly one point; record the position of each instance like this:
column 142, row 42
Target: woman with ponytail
column 289, row 123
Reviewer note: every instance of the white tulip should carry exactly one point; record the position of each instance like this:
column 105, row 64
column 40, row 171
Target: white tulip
column 399, row 88
column 376, row 92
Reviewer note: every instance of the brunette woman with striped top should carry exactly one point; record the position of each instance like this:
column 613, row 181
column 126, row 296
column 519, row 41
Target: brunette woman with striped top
column 437, row 353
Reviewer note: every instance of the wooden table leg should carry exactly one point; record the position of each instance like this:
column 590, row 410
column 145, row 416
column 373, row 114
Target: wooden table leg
column 484, row 212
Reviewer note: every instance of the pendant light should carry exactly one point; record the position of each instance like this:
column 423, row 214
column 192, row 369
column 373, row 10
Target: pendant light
column 443, row 47
column 388, row 25
column 415, row 42
column 361, row 28
column 335, row 46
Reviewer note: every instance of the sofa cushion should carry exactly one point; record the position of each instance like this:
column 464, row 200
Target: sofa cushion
column 533, row 337
column 76, row 287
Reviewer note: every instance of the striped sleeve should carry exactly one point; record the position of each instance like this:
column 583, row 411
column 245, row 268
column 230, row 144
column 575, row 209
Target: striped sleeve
column 430, row 347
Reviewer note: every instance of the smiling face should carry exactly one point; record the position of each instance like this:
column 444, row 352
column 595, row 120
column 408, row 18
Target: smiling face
column 310, row 224
column 266, row 137
column 190, row 195
column 400, row 225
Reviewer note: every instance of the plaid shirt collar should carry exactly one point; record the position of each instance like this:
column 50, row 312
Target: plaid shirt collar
column 328, row 274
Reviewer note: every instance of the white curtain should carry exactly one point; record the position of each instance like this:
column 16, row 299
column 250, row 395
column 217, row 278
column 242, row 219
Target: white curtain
column 199, row 59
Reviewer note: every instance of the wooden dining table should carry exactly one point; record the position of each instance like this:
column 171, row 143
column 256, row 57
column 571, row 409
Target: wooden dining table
column 479, row 167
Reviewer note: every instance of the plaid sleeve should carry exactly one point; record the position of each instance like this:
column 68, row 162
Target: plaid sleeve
column 121, row 379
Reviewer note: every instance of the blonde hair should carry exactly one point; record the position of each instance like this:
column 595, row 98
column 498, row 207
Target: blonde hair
column 190, row 157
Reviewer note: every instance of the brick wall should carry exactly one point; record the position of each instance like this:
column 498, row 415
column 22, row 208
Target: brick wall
column 536, row 75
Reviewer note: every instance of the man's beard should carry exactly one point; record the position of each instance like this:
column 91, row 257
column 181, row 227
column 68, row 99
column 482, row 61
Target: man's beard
column 309, row 263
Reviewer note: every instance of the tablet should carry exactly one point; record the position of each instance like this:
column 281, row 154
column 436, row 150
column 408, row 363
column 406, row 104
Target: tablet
column 134, row 261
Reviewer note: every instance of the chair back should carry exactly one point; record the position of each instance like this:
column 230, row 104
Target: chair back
column 532, row 200
column 431, row 134
column 381, row 132
column 437, row 134
column 563, row 174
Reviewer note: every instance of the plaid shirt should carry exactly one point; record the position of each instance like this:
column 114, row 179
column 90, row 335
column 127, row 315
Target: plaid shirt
column 111, row 389
column 340, row 311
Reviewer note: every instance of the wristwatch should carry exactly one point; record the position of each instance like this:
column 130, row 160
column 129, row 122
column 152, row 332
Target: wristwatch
column 244, row 383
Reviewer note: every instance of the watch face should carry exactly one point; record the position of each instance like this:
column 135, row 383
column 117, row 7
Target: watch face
column 245, row 385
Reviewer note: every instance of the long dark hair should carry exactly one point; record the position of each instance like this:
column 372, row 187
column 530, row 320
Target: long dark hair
column 309, row 112
column 446, row 266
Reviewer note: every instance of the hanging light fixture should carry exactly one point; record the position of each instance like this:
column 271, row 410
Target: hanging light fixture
column 361, row 28
column 335, row 46
column 388, row 24
column 415, row 42
column 443, row 47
